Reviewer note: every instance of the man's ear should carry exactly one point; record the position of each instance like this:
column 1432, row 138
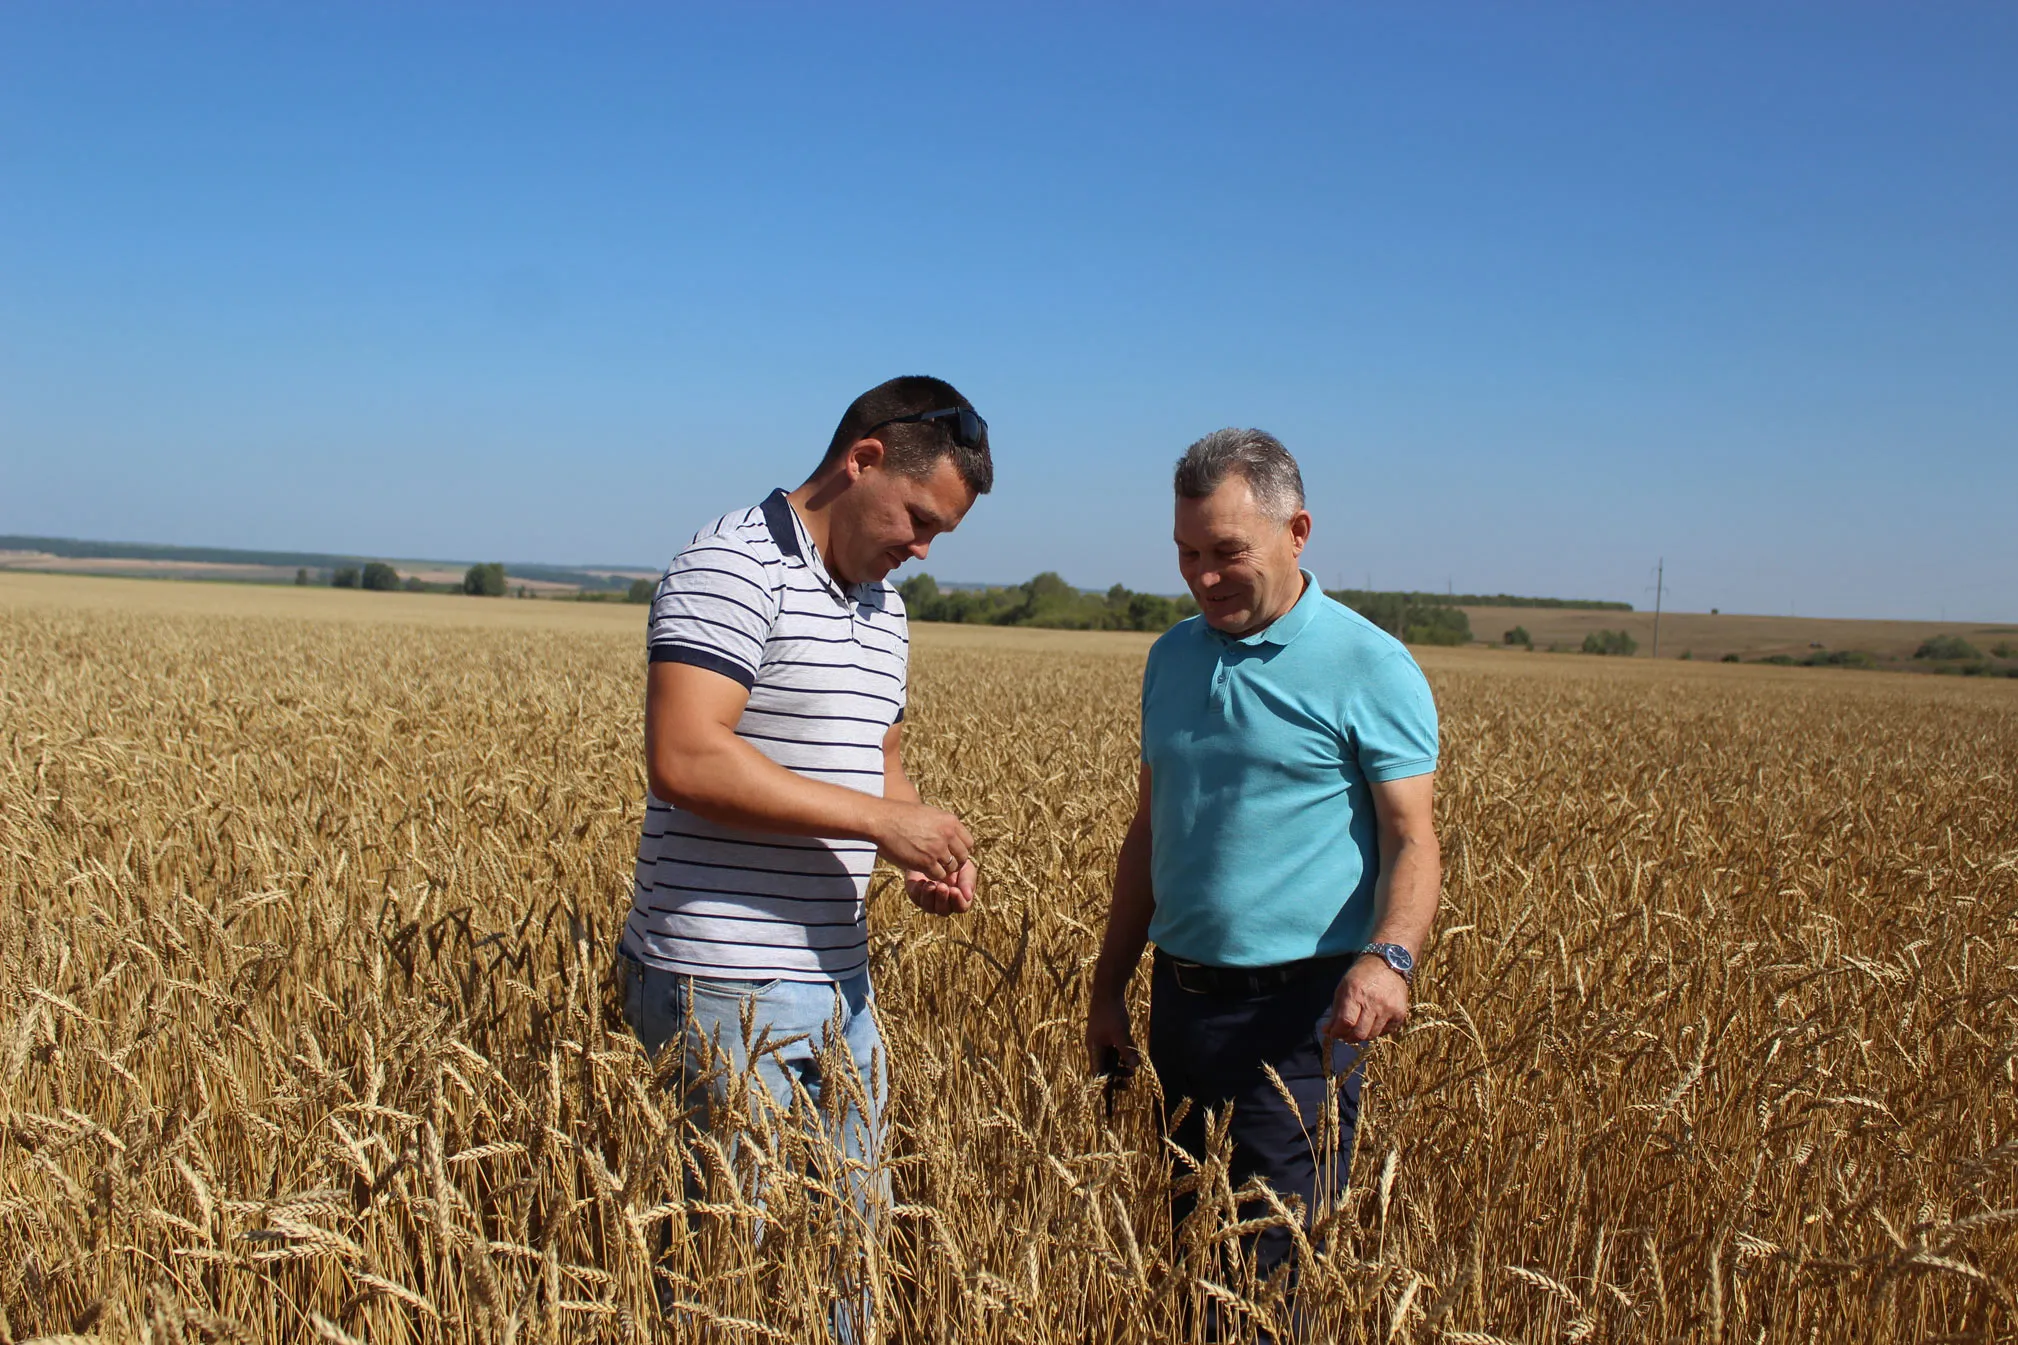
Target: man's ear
column 862, row 455
column 1299, row 529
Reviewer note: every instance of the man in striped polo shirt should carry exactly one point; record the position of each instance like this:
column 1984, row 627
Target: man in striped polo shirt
column 773, row 731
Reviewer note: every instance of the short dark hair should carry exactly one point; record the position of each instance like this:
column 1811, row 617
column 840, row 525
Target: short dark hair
column 1255, row 456
column 916, row 447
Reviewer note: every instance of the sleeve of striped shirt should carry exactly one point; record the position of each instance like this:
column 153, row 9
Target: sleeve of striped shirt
column 714, row 609
column 903, row 615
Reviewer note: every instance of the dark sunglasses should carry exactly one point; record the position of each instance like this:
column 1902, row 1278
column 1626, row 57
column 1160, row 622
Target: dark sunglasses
column 968, row 427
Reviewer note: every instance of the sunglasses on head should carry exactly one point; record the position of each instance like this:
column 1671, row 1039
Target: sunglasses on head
column 967, row 427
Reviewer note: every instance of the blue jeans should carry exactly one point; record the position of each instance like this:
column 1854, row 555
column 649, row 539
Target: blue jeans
column 803, row 1021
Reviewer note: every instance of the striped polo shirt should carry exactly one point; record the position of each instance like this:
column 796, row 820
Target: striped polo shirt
column 826, row 666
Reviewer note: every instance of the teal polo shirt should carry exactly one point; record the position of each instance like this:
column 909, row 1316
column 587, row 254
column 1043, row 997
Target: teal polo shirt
column 1260, row 754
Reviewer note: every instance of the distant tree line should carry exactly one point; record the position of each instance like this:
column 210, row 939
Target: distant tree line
column 1046, row 600
column 375, row 575
column 1413, row 618
column 1947, row 647
column 1501, row 600
column 1828, row 658
column 638, row 591
column 486, row 580
column 1615, row 642
column 71, row 548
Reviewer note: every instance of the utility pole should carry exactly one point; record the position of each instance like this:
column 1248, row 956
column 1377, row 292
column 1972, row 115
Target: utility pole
column 1660, row 571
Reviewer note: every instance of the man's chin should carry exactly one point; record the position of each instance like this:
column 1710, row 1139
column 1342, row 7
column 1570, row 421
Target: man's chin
column 873, row 571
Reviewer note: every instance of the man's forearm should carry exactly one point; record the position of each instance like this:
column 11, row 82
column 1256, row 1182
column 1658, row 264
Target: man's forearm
column 1405, row 897
column 727, row 781
column 1128, row 917
column 897, row 786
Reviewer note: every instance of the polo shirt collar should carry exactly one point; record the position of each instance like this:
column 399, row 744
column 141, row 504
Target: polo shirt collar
column 783, row 521
column 1291, row 623
column 788, row 531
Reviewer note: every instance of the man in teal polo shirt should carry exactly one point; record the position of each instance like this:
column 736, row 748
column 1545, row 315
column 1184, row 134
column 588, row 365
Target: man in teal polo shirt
column 1283, row 856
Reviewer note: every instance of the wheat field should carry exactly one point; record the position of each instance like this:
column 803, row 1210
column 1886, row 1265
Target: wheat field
column 307, row 1031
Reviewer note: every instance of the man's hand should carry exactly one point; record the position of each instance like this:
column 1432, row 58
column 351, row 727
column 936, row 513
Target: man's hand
column 923, row 840
column 1107, row 1035
column 936, row 898
column 1372, row 1000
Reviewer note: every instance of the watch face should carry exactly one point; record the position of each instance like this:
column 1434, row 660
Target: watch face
column 1394, row 955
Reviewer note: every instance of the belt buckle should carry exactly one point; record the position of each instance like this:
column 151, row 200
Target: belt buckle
column 1180, row 971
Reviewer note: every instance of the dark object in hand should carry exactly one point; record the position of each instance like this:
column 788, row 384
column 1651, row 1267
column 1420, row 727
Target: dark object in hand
column 1115, row 1072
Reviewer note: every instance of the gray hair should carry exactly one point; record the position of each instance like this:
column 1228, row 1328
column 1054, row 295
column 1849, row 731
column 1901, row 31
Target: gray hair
column 1256, row 456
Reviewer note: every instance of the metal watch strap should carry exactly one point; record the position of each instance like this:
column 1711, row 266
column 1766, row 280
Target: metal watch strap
column 1399, row 960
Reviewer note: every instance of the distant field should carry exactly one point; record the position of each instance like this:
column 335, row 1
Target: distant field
column 313, row 603
column 538, row 580
column 136, row 567
column 1705, row 636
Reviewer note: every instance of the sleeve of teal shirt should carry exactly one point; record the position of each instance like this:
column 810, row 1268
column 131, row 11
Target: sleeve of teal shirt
column 1394, row 721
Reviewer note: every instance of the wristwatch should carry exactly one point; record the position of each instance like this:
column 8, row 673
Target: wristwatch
column 1396, row 957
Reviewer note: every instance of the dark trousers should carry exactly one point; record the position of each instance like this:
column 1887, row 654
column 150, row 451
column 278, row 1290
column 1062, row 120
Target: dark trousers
column 1210, row 1048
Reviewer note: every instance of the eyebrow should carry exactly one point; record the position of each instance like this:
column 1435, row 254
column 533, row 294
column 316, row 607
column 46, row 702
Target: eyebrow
column 928, row 518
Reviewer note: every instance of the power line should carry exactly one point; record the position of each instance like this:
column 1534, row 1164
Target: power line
column 1660, row 576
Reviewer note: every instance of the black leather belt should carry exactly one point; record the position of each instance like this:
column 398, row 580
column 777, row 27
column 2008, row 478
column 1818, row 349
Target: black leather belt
column 1196, row 978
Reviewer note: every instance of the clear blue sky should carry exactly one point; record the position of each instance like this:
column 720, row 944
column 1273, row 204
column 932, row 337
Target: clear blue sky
column 1536, row 294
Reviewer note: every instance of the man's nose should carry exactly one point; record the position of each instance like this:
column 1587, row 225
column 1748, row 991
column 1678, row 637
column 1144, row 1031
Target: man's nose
column 919, row 549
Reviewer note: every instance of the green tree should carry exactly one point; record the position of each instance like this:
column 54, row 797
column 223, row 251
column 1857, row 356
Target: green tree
column 1385, row 610
column 414, row 584
column 1436, row 625
column 1049, row 601
column 1151, row 612
column 1615, row 642
column 1519, row 636
column 485, row 581
column 641, row 590
column 1046, row 600
column 301, row 577
column 1841, row 658
column 344, row 576
column 1413, row 617
column 380, row 577
column 1947, row 647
